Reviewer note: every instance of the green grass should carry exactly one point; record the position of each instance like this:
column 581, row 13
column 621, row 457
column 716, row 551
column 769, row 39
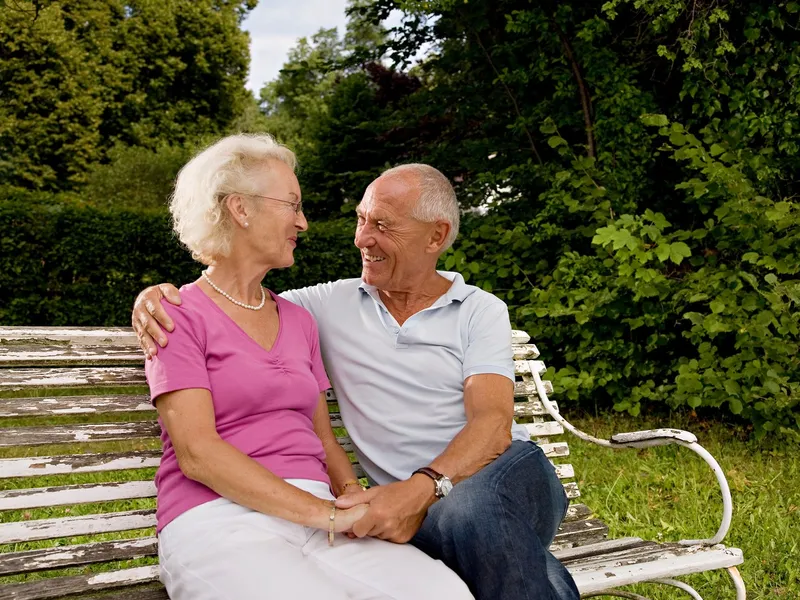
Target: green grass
column 669, row 493
column 664, row 494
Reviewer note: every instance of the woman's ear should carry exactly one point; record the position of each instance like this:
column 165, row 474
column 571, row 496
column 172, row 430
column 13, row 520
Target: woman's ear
column 236, row 206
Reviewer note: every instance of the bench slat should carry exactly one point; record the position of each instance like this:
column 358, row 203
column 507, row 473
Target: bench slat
column 582, row 531
column 60, row 557
column 45, row 529
column 36, row 354
column 60, row 434
column 15, row 380
column 533, row 408
column 102, row 432
column 78, row 463
column 74, row 405
column 79, row 336
column 544, row 429
column 67, row 586
column 75, row 494
column 138, row 592
column 599, row 548
column 655, row 562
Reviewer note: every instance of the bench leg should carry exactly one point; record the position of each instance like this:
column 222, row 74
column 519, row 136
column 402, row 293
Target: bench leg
column 682, row 586
column 738, row 582
column 617, row 593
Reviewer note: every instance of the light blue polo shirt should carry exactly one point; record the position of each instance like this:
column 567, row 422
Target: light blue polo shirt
column 401, row 389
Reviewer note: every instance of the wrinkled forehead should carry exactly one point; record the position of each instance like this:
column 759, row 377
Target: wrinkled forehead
column 395, row 196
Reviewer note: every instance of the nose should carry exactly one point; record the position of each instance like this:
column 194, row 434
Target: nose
column 364, row 237
column 300, row 222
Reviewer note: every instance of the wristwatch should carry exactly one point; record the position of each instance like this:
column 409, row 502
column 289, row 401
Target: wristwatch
column 443, row 483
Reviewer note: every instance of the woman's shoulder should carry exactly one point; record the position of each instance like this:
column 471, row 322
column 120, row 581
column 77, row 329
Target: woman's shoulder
column 295, row 313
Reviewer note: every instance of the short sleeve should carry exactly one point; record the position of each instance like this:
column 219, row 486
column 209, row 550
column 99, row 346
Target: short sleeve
column 181, row 364
column 489, row 342
column 313, row 298
column 317, row 367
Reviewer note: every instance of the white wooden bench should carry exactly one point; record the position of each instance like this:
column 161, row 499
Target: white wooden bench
column 74, row 410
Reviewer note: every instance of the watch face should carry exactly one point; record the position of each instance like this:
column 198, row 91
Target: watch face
column 446, row 486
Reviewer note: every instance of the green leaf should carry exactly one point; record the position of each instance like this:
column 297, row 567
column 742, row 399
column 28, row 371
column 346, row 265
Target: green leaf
column 556, row 141
column 732, row 387
column 654, row 120
column 771, row 278
column 735, row 405
column 662, row 252
column 716, row 150
column 717, row 306
column 678, row 251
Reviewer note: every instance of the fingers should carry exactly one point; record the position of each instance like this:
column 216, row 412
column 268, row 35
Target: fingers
column 364, row 526
column 350, row 500
column 171, row 293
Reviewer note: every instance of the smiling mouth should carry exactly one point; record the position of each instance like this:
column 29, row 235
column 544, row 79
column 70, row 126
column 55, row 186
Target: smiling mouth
column 373, row 259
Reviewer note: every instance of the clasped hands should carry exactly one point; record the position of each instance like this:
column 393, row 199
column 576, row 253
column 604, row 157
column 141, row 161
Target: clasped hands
column 395, row 511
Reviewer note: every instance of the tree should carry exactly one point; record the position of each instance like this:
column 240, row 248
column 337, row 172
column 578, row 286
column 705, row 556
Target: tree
column 81, row 77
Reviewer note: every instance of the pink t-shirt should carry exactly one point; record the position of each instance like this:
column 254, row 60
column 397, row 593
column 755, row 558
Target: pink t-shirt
column 263, row 401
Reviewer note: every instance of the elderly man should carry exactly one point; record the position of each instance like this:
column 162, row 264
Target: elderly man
column 422, row 366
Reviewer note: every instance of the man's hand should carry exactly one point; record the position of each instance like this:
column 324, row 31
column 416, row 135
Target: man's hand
column 396, row 511
column 148, row 314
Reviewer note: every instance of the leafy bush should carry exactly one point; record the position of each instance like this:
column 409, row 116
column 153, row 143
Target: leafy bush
column 62, row 263
column 699, row 314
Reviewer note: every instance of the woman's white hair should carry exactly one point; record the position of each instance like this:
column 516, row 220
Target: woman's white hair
column 437, row 199
column 199, row 214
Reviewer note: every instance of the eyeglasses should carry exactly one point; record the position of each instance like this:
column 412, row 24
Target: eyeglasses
column 298, row 206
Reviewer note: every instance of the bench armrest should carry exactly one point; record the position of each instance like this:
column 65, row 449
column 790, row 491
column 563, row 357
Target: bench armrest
column 652, row 437
column 646, row 439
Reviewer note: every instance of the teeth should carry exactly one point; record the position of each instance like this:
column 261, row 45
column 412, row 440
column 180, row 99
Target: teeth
column 374, row 258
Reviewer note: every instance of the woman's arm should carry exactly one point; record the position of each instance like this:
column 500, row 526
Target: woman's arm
column 204, row 456
column 340, row 470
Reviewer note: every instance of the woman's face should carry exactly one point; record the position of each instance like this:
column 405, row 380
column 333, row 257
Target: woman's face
column 273, row 221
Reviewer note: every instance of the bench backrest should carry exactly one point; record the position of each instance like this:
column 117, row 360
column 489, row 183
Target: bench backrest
column 79, row 446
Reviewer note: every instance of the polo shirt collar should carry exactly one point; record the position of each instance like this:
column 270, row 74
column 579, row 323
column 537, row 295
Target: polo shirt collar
column 458, row 292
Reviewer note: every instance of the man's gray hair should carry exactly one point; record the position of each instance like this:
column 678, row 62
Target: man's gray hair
column 437, row 199
column 199, row 215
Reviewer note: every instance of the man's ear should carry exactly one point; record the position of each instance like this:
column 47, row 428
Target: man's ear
column 438, row 237
column 237, row 208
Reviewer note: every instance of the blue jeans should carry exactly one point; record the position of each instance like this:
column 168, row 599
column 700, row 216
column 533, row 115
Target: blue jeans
column 494, row 529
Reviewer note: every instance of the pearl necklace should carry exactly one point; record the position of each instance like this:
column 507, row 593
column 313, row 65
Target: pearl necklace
column 234, row 300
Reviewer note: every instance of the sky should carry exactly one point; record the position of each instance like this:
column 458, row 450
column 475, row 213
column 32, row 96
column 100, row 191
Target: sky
column 275, row 26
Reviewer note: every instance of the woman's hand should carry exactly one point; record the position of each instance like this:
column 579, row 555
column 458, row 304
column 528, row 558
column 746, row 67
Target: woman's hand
column 345, row 518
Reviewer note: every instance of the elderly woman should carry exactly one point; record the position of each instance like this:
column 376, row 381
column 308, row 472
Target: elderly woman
column 245, row 502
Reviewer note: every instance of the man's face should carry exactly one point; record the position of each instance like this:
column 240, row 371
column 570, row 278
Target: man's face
column 394, row 246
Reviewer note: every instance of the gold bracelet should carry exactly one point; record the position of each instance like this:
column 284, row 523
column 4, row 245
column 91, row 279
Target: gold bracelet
column 331, row 524
column 352, row 482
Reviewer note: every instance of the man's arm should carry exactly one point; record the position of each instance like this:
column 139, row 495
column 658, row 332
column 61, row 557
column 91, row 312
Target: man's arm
column 149, row 319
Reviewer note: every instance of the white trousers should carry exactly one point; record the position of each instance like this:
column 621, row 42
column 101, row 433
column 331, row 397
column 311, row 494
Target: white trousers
column 223, row 551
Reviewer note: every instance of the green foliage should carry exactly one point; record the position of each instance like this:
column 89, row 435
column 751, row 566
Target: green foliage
column 63, row 263
column 80, row 77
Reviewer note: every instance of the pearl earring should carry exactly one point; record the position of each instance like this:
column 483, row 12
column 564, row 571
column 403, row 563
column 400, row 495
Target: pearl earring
column 246, row 224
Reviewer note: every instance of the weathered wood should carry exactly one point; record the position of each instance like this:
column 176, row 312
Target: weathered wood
column 74, row 405
column 75, row 494
column 582, row 531
column 564, row 471
column 555, row 449
column 600, row 548
column 61, row 557
column 604, row 572
column 78, row 463
column 519, row 337
column 544, row 429
column 38, row 355
column 78, row 336
column 139, row 592
column 524, row 351
column 527, row 389
column 576, row 512
column 532, row 408
column 45, row 529
column 60, row 434
column 93, row 463
column 15, row 380
column 571, row 489
column 59, row 587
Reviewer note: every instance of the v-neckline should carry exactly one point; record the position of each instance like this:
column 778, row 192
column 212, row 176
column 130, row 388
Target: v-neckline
column 242, row 331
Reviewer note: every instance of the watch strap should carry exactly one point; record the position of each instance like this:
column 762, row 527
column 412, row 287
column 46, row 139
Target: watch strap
column 435, row 475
